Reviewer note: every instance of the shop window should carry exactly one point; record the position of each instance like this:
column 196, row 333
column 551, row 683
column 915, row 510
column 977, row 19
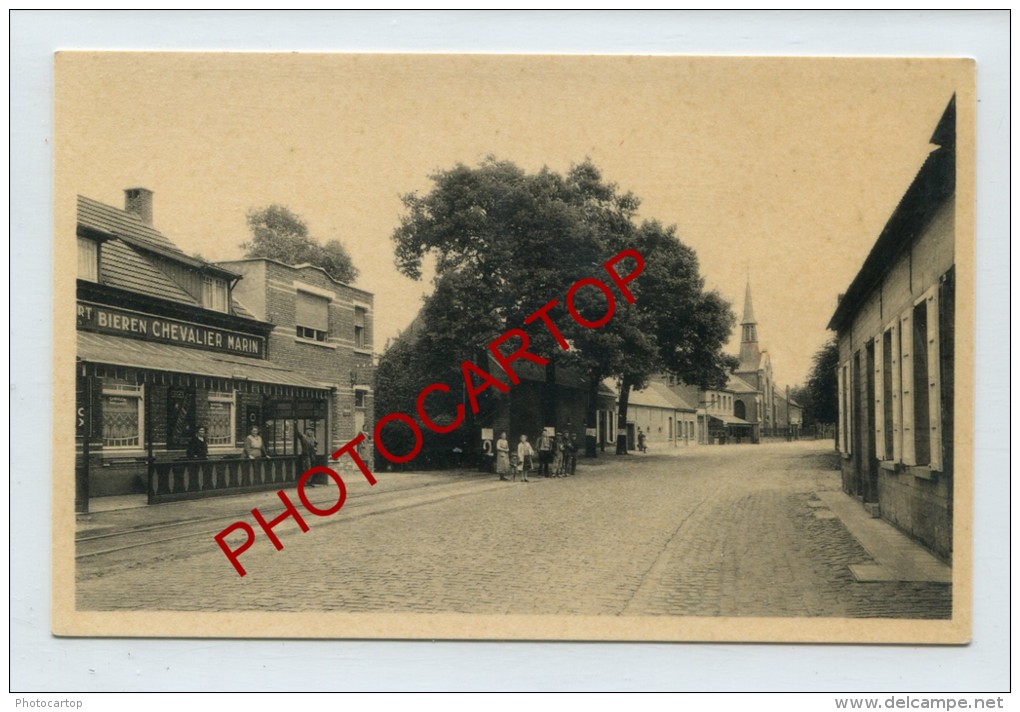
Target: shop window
column 214, row 293
column 360, row 335
column 221, row 421
column 88, row 259
column 312, row 318
column 123, row 416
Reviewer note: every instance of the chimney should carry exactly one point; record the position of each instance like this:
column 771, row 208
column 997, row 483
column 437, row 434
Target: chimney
column 139, row 202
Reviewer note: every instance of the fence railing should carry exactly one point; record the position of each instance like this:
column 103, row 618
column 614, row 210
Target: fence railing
column 194, row 479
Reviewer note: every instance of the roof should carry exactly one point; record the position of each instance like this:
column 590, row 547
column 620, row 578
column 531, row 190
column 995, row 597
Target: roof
column 119, row 351
column 123, row 267
column 299, row 267
column 729, row 419
column 934, row 183
column 748, row 309
column 136, row 232
column 658, row 395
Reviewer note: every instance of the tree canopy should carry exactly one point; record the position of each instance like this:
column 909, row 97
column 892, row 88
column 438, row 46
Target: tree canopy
column 820, row 396
column 506, row 242
column 279, row 234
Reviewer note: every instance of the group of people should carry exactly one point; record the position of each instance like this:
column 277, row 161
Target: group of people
column 255, row 447
column 556, row 455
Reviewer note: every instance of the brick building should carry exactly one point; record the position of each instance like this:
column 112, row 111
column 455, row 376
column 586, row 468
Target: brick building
column 164, row 346
column 895, row 327
column 322, row 331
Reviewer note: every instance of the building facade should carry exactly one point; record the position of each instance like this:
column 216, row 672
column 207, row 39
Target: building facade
column 895, row 328
column 163, row 347
column 322, row 330
column 662, row 415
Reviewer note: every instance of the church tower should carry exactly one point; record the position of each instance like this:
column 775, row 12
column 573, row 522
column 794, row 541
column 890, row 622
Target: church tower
column 750, row 354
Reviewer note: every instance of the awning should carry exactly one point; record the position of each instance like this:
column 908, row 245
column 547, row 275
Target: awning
column 730, row 420
column 118, row 351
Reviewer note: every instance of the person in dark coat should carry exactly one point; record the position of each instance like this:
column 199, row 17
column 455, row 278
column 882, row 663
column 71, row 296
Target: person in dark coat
column 308, row 446
column 198, row 447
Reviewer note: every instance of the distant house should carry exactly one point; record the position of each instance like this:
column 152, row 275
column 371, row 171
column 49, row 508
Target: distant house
column 895, row 327
column 662, row 415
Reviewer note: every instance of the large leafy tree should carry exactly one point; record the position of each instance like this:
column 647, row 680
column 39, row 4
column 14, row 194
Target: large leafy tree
column 505, row 242
column 821, row 392
column 279, row 234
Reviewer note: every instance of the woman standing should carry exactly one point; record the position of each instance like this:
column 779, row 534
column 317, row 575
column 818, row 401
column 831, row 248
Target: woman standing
column 253, row 445
column 502, row 456
column 525, row 454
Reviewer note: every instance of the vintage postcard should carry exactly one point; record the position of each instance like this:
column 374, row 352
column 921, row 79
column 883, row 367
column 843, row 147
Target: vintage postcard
column 660, row 348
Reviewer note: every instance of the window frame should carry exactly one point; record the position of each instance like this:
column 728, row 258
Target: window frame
column 210, row 290
column 95, row 247
column 231, row 399
column 304, row 332
column 124, row 390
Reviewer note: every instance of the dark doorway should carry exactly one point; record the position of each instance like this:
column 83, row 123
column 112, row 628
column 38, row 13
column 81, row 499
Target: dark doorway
column 856, row 439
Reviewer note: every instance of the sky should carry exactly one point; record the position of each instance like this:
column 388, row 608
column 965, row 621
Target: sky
column 780, row 171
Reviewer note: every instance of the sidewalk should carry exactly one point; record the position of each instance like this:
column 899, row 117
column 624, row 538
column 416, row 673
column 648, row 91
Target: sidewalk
column 897, row 556
column 109, row 515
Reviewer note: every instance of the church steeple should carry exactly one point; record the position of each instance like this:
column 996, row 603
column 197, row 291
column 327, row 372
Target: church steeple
column 750, row 354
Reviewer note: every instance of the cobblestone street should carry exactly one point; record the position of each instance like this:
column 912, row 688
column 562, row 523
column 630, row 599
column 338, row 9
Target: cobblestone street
column 709, row 531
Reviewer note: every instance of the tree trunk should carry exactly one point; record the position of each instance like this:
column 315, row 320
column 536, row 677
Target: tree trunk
column 621, row 418
column 591, row 418
column 549, row 395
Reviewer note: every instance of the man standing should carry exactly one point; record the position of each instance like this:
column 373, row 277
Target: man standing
column 545, row 445
column 308, row 445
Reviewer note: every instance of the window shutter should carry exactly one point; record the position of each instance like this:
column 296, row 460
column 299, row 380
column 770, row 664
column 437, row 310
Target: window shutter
column 906, row 386
column 879, row 401
column 934, row 388
column 312, row 312
column 842, row 409
column 897, row 399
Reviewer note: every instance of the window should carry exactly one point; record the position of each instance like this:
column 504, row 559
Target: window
column 88, row 259
column 220, row 425
column 360, row 398
column 312, row 318
column 214, row 294
column 360, row 336
column 123, row 416
column 908, row 417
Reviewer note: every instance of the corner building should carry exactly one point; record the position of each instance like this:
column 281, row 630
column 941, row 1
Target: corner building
column 163, row 347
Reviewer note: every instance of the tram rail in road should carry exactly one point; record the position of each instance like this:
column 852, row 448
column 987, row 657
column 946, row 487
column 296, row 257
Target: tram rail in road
column 90, row 546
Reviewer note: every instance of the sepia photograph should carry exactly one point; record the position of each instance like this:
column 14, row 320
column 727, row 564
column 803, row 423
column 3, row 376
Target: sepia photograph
column 513, row 347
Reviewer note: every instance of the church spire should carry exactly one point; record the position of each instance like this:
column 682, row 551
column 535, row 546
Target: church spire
column 750, row 354
column 748, row 309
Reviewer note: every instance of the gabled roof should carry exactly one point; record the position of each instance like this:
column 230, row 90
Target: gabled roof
column 658, row 395
column 134, row 231
column 739, row 385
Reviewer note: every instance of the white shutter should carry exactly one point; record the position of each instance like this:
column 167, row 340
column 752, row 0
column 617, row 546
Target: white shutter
column 897, row 399
column 879, row 404
column 907, row 386
column 842, row 409
column 934, row 376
